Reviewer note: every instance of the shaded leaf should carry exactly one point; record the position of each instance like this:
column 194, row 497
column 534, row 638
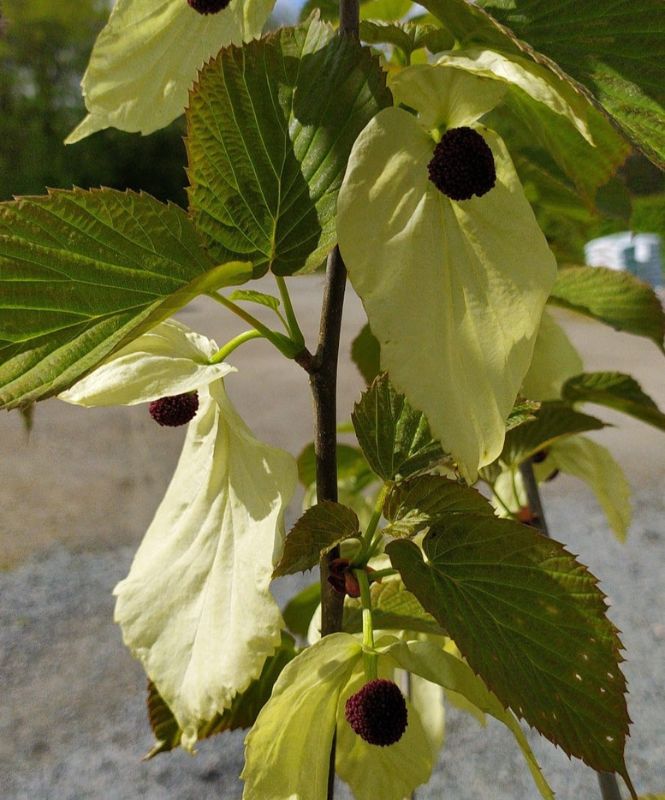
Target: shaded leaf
column 84, row 273
column 530, row 620
column 594, row 464
column 427, row 500
column 243, row 711
column 270, row 129
column 301, row 608
column 320, row 528
column 395, row 439
column 366, row 354
column 615, row 390
column 613, row 297
column 553, row 420
column 393, row 608
column 353, row 471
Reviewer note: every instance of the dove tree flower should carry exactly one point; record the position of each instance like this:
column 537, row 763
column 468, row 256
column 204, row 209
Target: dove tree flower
column 196, row 607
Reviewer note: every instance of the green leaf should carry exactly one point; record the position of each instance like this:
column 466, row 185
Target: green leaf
column 252, row 296
column 84, row 273
column 320, row 528
column 366, row 354
column 530, row 620
column 270, row 129
column 614, row 390
column 243, row 711
column 301, row 608
column 427, row 500
column 522, row 412
column 300, row 717
column 386, row 33
column 146, row 58
column 616, row 298
column 353, row 471
column 395, row 439
column 555, row 359
column 590, row 462
column 469, row 297
column 393, row 608
column 615, row 50
column 432, row 663
column 553, row 420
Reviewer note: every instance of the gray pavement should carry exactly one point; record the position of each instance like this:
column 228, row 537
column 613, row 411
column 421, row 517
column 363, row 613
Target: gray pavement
column 78, row 495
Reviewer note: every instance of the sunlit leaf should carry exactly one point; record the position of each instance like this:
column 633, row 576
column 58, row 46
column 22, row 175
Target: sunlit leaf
column 84, row 273
column 614, row 297
column 531, row 621
column 427, row 500
column 395, row 439
column 270, row 129
column 252, row 296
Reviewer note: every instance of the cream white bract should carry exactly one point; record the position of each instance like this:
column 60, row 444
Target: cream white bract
column 196, row 607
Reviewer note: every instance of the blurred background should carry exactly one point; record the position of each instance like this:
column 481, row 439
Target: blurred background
column 78, row 493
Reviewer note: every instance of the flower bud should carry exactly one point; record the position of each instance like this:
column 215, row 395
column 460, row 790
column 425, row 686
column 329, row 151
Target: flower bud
column 377, row 713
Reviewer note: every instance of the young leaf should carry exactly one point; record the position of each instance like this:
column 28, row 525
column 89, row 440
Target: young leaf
column 196, row 607
column 427, row 500
column 242, row 713
column 616, row 298
column 252, row 296
column 522, row 412
column 395, row 439
column 270, row 129
column 393, row 608
column 555, row 359
column 301, row 608
column 531, row 621
column 614, row 390
column 366, row 354
column 594, row 464
column 553, row 420
column 615, row 50
column 320, row 528
column 145, row 60
column 84, row 273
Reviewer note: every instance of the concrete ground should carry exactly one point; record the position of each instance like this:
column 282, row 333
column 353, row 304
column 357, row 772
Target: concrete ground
column 79, row 493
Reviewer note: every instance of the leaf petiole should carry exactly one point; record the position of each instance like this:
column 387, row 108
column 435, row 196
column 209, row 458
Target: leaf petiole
column 369, row 657
column 284, row 344
column 232, row 344
column 291, row 320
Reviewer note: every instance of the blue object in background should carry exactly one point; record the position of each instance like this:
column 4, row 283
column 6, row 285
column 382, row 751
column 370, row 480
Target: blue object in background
column 638, row 253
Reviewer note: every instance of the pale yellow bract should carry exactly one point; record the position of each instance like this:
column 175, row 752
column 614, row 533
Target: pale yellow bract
column 555, row 359
column 454, row 291
column 146, row 59
column 196, row 607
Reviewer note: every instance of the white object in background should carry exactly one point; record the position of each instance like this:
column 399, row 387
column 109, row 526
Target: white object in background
column 638, row 253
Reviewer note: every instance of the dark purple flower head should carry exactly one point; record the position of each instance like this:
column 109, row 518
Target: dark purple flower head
column 377, row 713
column 208, row 6
column 462, row 165
column 174, row 411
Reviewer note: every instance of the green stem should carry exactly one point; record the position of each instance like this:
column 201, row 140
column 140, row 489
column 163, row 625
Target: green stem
column 285, row 345
column 292, row 322
column 231, row 345
column 369, row 657
column 381, row 573
column 368, row 543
